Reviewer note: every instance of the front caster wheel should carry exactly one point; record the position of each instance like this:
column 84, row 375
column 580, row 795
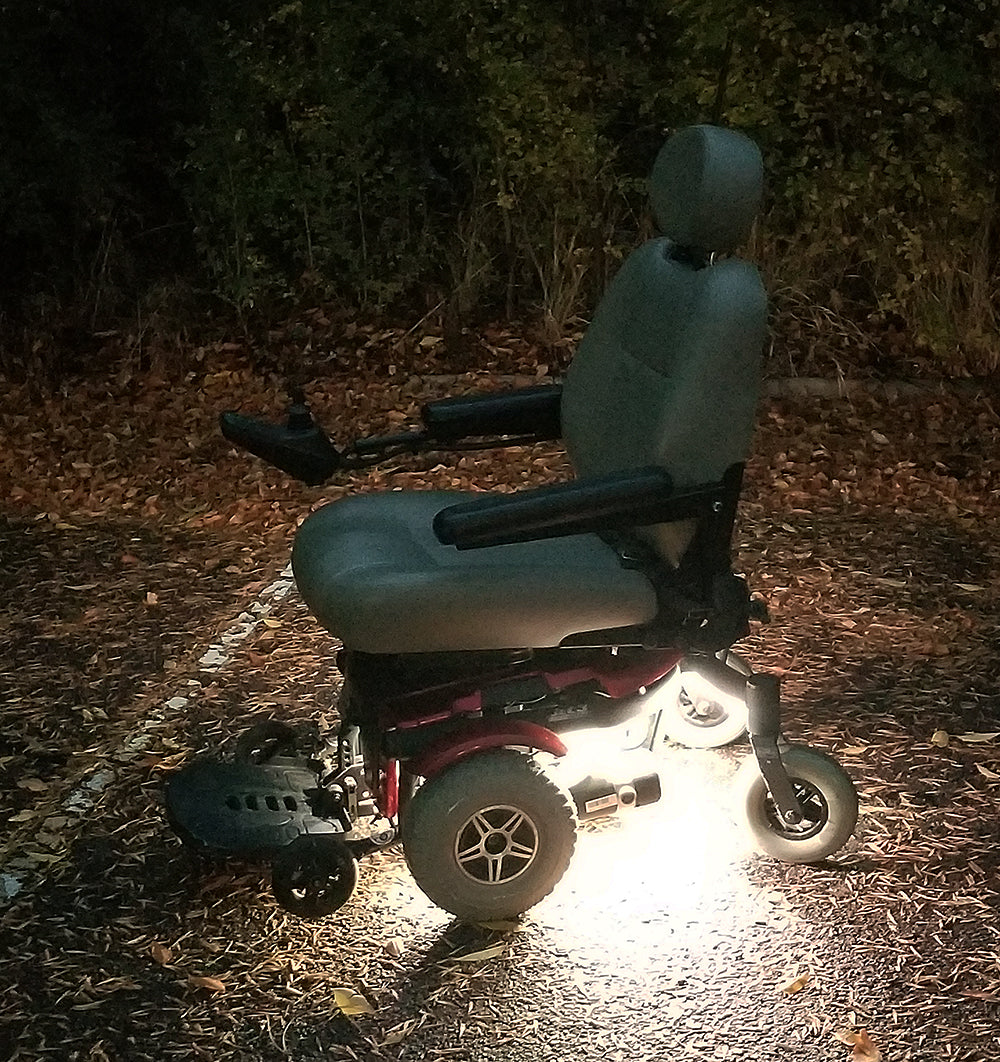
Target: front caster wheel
column 314, row 875
column 698, row 715
column 828, row 798
column 489, row 836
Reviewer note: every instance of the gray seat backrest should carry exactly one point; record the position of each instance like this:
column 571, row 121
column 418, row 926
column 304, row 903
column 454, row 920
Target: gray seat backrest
column 668, row 373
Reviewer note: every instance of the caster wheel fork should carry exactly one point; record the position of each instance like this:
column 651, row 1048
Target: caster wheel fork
column 799, row 805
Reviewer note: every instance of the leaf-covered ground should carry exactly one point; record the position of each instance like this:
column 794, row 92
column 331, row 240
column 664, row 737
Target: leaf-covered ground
column 146, row 618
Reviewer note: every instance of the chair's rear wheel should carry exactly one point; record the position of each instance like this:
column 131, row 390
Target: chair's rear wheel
column 489, row 836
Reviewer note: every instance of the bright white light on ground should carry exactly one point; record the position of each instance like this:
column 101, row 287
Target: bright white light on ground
column 604, row 752
column 672, row 869
column 665, row 856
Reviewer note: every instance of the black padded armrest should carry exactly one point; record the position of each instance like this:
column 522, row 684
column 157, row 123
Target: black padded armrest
column 532, row 411
column 606, row 503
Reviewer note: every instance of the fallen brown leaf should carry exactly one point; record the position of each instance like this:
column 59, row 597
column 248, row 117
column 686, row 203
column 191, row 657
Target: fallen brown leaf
column 481, row 956
column 394, row 947
column 36, row 785
column 161, row 953
column 796, row 984
column 502, row 926
column 213, row 984
column 863, row 1048
column 351, row 1003
column 399, row 1033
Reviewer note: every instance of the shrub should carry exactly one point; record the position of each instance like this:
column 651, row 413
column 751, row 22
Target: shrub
column 875, row 121
column 495, row 150
column 490, row 155
column 91, row 217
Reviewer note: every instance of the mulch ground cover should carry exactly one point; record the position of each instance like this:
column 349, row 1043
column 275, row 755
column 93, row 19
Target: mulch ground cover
column 146, row 619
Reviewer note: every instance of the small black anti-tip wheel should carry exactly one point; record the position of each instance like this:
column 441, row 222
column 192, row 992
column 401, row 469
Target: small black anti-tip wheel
column 265, row 740
column 314, row 876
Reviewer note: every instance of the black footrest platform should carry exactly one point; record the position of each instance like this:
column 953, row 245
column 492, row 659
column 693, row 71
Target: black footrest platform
column 244, row 809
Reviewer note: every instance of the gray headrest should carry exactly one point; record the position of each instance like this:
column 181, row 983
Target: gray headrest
column 706, row 188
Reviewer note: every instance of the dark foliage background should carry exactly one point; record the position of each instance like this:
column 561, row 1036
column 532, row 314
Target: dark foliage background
column 478, row 157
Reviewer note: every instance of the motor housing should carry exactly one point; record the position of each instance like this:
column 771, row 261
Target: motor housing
column 596, row 796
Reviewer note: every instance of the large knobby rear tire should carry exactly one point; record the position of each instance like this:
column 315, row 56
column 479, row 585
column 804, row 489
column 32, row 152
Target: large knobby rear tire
column 489, row 836
column 827, row 796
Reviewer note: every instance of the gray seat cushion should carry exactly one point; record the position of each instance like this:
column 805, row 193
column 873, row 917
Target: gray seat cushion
column 373, row 572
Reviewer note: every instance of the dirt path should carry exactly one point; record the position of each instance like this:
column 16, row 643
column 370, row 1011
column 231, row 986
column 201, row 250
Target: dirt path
column 869, row 529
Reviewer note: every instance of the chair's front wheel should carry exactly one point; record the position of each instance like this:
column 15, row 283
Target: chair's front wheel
column 828, row 798
column 696, row 714
column 489, row 836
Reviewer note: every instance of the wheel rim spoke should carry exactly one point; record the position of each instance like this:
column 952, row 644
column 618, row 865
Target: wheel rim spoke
column 482, row 824
column 521, row 851
column 509, row 828
column 814, row 812
column 471, row 854
column 495, row 865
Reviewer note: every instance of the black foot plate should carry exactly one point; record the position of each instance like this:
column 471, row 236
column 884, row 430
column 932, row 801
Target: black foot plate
column 245, row 809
